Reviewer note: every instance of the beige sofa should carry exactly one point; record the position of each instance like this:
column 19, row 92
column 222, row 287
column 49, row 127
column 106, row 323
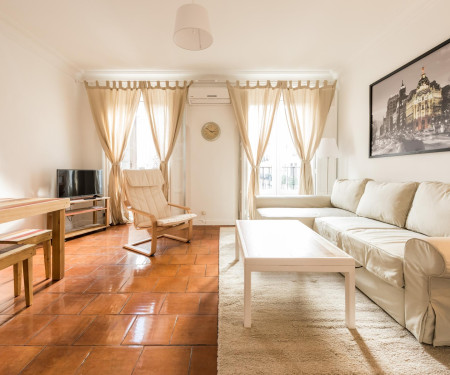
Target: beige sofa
column 399, row 235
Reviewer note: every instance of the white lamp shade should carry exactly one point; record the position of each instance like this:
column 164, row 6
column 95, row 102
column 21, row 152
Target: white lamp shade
column 327, row 148
column 192, row 30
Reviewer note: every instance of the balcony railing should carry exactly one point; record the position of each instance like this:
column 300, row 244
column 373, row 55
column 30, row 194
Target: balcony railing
column 289, row 177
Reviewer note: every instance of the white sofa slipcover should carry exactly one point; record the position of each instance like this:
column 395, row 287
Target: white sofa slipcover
column 400, row 267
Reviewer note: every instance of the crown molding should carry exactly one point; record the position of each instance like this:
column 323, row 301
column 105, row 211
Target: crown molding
column 28, row 41
column 202, row 76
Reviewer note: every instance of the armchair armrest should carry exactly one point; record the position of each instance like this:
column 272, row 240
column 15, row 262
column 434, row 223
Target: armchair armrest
column 187, row 209
column 139, row 212
column 297, row 201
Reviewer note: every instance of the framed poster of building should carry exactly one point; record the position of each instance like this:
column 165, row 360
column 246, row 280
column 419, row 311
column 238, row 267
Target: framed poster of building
column 410, row 108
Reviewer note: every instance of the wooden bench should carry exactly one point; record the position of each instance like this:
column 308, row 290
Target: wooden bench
column 32, row 237
column 15, row 256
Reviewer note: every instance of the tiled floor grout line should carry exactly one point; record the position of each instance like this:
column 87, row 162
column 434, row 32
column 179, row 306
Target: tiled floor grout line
column 128, row 330
column 138, row 359
column 173, row 329
column 31, row 361
column 84, row 330
column 84, row 361
column 39, row 331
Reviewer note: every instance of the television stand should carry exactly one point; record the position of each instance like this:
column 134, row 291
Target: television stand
column 98, row 205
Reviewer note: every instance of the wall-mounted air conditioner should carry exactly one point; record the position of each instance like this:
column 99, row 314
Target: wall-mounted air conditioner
column 208, row 94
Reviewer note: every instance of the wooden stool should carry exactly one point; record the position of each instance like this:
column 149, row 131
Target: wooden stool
column 32, row 237
column 14, row 256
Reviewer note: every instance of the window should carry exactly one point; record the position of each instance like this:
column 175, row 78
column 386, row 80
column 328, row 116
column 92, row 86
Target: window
column 280, row 167
column 140, row 152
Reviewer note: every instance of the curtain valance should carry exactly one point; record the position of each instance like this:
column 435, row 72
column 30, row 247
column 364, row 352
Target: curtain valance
column 164, row 85
column 122, row 85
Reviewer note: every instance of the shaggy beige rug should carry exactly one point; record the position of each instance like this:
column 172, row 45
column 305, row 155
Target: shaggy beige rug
column 298, row 328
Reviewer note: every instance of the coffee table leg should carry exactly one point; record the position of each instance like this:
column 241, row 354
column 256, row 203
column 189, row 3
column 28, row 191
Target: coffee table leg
column 247, row 297
column 236, row 246
column 350, row 299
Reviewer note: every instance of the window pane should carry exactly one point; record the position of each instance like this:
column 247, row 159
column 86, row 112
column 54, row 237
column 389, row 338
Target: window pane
column 280, row 168
column 140, row 152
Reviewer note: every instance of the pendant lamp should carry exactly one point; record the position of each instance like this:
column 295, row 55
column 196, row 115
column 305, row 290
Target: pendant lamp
column 192, row 30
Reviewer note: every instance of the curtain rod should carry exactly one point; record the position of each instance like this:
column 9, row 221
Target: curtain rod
column 206, row 82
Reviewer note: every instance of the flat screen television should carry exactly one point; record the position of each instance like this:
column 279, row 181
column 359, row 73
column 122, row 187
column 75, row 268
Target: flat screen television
column 74, row 183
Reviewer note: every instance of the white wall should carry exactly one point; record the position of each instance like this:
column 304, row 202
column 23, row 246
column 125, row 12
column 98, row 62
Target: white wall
column 43, row 124
column 212, row 167
column 394, row 48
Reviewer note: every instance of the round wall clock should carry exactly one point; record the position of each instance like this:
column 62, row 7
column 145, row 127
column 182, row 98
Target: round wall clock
column 210, row 131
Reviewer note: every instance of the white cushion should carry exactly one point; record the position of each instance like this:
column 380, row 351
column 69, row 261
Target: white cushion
column 143, row 191
column 143, row 177
column 173, row 220
column 347, row 193
column 430, row 211
column 387, row 201
column 305, row 215
column 380, row 251
column 332, row 228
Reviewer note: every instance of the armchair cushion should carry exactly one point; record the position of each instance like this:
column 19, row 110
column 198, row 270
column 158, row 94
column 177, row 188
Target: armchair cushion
column 173, row 220
column 143, row 190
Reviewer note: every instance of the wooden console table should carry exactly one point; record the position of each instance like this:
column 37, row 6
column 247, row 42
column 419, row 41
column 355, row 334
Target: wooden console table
column 95, row 208
column 19, row 208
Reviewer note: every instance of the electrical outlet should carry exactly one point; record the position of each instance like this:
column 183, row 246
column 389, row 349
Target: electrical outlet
column 203, row 213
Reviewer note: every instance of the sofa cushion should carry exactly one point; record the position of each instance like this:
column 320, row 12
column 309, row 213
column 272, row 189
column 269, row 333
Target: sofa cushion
column 387, row 201
column 430, row 210
column 380, row 251
column 305, row 215
column 331, row 228
column 347, row 193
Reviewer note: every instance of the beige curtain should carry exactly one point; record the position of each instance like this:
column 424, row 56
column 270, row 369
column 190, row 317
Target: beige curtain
column 254, row 108
column 306, row 111
column 113, row 109
column 165, row 110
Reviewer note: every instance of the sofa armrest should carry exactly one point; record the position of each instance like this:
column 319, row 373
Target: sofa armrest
column 428, row 256
column 427, row 289
column 297, row 201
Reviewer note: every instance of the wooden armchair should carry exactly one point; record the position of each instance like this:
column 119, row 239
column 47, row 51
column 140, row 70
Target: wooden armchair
column 151, row 211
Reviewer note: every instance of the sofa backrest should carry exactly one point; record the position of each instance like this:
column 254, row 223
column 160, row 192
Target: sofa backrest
column 389, row 202
column 430, row 211
column 347, row 193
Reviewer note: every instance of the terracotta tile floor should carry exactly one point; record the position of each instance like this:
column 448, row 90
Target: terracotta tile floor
column 117, row 312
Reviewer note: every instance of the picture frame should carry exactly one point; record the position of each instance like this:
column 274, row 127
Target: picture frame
column 410, row 107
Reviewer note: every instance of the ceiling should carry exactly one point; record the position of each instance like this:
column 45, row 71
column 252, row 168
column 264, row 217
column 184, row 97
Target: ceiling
column 249, row 35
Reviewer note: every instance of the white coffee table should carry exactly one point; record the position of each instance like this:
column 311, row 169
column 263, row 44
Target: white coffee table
column 290, row 246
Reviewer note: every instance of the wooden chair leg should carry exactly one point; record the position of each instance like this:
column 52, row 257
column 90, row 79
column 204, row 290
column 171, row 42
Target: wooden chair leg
column 28, row 280
column 189, row 236
column 17, row 279
column 47, row 257
column 154, row 243
column 154, row 239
